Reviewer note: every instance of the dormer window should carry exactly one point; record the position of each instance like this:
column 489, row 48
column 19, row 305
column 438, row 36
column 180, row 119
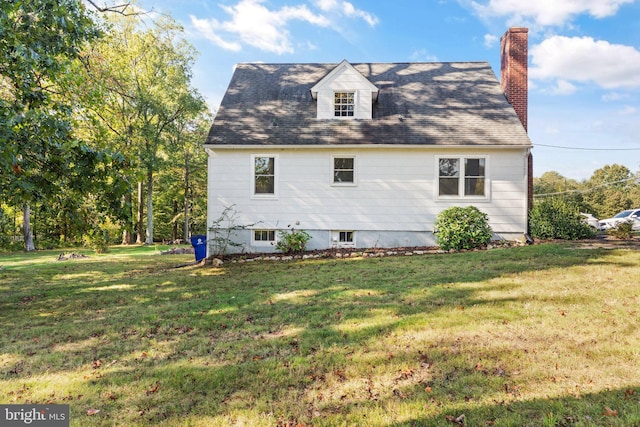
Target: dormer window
column 344, row 94
column 344, row 104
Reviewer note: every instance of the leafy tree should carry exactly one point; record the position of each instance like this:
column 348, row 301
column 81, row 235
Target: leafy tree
column 181, row 206
column 612, row 189
column 553, row 182
column 39, row 42
column 146, row 75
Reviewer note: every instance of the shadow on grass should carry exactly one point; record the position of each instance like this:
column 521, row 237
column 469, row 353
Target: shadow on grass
column 616, row 407
column 315, row 341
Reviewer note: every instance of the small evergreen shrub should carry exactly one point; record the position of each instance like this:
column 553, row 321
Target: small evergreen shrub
column 292, row 241
column 463, row 228
column 624, row 230
column 556, row 218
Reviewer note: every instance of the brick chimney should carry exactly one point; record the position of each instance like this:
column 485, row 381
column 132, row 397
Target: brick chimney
column 514, row 55
column 514, row 59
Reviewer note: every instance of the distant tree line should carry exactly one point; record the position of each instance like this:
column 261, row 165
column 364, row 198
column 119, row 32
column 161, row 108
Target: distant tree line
column 609, row 190
column 100, row 127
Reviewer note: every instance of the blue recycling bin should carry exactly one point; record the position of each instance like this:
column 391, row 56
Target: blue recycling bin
column 199, row 244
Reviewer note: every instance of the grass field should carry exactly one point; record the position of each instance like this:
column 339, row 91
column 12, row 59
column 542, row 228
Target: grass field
column 545, row 335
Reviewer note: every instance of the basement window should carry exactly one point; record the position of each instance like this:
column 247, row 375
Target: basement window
column 343, row 239
column 264, row 236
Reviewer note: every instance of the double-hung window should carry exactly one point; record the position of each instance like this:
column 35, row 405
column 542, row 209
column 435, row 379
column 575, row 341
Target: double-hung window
column 344, row 104
column 264, row 176
column 344, row 168
column 462, row 177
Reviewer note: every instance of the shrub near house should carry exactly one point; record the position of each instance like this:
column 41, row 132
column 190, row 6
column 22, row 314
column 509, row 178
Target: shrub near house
column 463, row 228
column 555, row 218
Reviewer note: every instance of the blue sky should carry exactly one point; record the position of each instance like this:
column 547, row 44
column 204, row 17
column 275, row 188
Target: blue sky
column 584, row 56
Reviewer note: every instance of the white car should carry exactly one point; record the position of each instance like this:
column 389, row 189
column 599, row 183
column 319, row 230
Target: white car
column 591, row 221
column 632, row 215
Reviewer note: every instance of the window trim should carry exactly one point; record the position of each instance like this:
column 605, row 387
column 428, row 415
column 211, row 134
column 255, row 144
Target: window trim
column 355, row 104
column 333, row 170
column 256, row 242
column 335, row 239
column 252, row 190
column 462, row 178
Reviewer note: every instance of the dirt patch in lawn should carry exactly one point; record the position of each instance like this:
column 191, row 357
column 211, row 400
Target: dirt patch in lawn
column 606, row 242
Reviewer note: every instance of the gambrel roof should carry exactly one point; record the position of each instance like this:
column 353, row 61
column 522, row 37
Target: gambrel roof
column 431, row 104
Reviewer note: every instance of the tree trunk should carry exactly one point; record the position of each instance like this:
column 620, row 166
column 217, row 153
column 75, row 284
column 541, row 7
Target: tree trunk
column 149, row 206
column 127, row 233
column 139, row 238
column 26, row 227
column 174, row 228
column 185, row 228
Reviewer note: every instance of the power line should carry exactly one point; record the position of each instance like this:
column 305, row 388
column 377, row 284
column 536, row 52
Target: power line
column 586, row 149
column 586, row 190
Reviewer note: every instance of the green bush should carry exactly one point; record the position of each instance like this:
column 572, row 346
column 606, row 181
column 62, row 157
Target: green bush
column 98, row 240
column 556, row 218
column 292, row 241
column 623, row 230
column 463, row 228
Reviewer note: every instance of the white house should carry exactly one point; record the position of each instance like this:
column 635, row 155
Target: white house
column 367, row 155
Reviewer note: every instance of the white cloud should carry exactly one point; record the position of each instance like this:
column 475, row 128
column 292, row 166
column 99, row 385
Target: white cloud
column 346, row 8
column 614, row 96
column 547, row 12
column 252, row 23
column 563, row 87
column 490, row 40
column 422, row 55
column 583, row 59
column 628, row 110
column 206, row 28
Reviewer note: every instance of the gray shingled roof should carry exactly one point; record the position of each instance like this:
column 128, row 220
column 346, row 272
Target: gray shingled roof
column 419, row 104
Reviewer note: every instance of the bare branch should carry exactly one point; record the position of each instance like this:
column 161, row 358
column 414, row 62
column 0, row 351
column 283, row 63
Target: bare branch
column 121, row 8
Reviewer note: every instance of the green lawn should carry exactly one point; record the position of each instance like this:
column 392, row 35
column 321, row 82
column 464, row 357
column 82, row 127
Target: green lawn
column 545, row 335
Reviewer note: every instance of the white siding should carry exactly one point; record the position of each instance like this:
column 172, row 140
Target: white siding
column 396, row 190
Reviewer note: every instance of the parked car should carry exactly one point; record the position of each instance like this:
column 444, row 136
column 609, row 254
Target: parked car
column 632, row 215
column 591, row 220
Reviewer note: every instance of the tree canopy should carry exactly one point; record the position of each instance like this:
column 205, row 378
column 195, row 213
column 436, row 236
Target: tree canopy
column 89, row 104
column 609, row 190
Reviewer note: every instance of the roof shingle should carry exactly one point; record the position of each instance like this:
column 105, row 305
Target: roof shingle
column 444, row 104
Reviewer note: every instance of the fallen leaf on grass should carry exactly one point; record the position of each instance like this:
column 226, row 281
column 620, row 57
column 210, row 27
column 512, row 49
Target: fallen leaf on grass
column 399, row 393
column 154, row 388
column 629, row 393
column 93, row 411
column 341, row 375
column 110, row 396
column 608, row 412
column 405, row 374
column 459, row 420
